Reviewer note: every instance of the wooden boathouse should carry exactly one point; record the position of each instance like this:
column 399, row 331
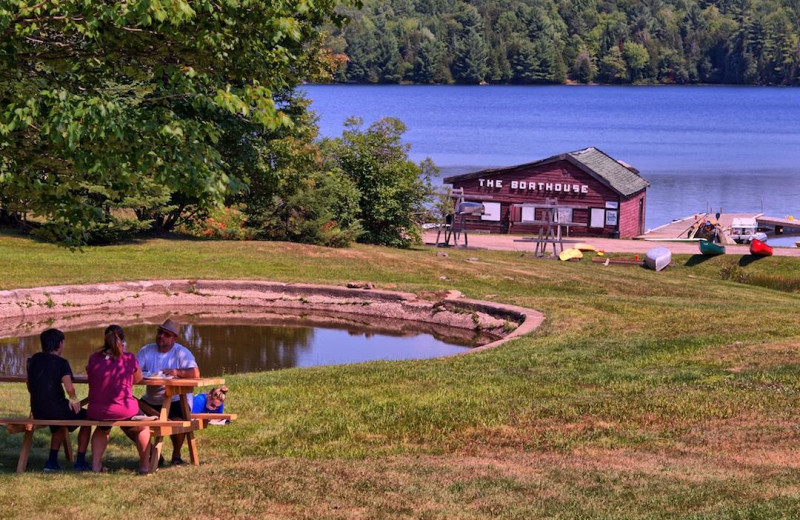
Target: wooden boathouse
column 595, row 193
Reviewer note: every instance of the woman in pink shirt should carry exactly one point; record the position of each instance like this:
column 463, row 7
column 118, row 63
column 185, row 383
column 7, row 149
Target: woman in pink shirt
column 112, row 373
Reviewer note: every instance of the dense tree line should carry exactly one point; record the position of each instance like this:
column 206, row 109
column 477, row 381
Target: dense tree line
column 554, row 41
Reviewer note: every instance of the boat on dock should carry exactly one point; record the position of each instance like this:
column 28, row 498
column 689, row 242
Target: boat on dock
column 744, row 230
column 759, row 248
column 709, row 248
column 658, row 258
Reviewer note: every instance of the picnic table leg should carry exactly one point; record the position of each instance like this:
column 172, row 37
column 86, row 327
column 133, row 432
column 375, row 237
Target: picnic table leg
column 27, row 441
column 67, row 445
column 155, row 452
column 187, row 415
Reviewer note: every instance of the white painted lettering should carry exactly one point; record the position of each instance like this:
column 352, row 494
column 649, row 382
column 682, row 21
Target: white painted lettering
column 490, row 183
column 584, row 189
column 548, row 186
column 557, row 187
column 499, row 183
column 576, row 188
column 480, row 182
column 523, row 185
column 541, row 186
column 515, row 185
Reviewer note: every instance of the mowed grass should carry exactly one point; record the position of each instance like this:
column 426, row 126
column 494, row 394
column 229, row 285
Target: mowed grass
column 643, row 395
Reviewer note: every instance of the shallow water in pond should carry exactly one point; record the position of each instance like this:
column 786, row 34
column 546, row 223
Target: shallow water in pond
column 255, row 347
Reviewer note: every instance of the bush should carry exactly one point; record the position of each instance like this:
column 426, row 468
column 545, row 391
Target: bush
column 102, row 231
column 226, row 223
column 323, row 211
column 392, row 191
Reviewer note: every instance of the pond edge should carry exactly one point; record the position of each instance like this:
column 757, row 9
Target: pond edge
column 501, row 322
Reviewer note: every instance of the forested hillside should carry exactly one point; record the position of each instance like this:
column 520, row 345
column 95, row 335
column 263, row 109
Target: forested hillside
column 555, row 41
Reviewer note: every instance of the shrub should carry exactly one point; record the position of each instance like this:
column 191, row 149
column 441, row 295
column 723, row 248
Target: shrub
column 227, row 223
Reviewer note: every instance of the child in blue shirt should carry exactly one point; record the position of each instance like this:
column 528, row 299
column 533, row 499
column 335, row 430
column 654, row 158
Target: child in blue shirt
column 212, row 402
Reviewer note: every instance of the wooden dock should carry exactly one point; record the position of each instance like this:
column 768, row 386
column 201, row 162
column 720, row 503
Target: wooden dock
column 679, row 229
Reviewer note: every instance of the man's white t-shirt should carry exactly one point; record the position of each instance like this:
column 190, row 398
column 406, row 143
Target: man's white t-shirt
column 153, row 361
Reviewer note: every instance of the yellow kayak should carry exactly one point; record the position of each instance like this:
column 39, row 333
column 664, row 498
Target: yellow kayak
column 570, row 254
column 583, row 246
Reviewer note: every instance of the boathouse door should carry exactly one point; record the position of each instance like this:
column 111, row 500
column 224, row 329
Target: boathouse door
column 641, row 216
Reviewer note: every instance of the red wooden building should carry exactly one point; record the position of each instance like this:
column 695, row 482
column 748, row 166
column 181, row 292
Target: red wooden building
column 598, row 194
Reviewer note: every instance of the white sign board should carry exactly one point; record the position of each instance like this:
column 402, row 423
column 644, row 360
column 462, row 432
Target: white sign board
column 597, row 218
column 492, row 211
column 564, row 215
column 528, row 214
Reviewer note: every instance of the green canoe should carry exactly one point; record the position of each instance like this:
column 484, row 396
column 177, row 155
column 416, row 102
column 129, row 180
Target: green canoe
column 709, row 248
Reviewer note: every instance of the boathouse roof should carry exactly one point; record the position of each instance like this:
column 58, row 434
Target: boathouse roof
column 620, row 177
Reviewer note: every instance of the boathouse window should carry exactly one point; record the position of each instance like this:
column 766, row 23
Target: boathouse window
column 597, row 218
column 611, row 217
column 492, row 211
column 528, row 214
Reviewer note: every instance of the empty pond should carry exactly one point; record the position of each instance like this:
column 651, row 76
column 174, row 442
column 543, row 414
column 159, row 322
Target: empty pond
column 227, row 348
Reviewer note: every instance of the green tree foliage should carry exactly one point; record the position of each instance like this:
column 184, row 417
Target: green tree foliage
column 470, row 53
column 108, row 108
column 551, row 41
column 636, row 59
column 392, row 191
column 290, row 196
column 358, row 187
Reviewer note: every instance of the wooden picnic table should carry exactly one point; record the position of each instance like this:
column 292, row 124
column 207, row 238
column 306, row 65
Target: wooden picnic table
column 181, row 387
column 173, row 386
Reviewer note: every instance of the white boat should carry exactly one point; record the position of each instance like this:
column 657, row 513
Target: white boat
column 744, row 230
column 658, row 258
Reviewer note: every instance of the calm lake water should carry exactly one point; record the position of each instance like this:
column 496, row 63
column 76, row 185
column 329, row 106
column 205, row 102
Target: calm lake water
column 235, row 348
column 701, row 148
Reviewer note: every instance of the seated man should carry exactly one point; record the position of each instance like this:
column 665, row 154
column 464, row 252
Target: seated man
column 171, row 359
column 49, row 375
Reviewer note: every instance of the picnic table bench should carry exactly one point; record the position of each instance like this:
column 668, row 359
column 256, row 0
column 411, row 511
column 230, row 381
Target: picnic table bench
column 160, row 427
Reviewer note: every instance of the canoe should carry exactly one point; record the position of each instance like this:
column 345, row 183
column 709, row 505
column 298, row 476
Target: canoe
column 583, row 246
column 759, row 248
column 710, row 248
column 570, row 254
column 658, row 258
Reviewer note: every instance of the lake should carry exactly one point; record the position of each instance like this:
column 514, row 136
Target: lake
column 701, row 147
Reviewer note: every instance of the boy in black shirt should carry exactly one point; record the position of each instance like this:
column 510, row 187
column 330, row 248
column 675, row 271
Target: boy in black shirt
column 48, row 375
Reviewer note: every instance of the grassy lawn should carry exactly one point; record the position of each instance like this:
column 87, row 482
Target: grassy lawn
column 643, row 395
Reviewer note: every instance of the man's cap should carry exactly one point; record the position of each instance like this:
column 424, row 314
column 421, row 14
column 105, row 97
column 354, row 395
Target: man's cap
column 171, row 326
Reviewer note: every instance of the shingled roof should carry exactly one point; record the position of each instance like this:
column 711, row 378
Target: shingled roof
column 622, row 178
